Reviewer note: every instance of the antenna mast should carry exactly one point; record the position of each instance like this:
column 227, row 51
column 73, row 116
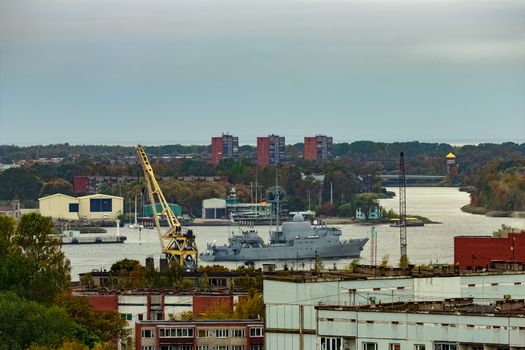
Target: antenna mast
column 402, row 207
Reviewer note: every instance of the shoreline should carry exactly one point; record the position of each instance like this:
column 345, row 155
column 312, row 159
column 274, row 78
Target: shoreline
column 492, row 213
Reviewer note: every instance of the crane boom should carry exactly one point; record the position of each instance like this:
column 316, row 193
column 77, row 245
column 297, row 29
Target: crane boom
column 176, row 246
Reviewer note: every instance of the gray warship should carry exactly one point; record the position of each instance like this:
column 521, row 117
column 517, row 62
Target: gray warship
column 297, row 239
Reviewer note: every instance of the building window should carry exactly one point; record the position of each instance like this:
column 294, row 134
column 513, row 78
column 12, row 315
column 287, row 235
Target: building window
column 176, row 332
column 202, row 333
column 202, row 347
column 222, row 347
column 148, row 333
column 256, row 332
column 222, row 333
column 127, row 317
column 100, row 205
column 256, row 347
column 73, row 207
column 445, row 346
column 394, row 346
column 369, row 346
column 331, row 343
column 239, row 333
column 236, row 347
column 148, row 347
column 419, row 347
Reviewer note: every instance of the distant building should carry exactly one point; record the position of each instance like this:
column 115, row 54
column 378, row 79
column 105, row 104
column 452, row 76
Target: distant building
column 12, row 210
column 318, row 148
column 224, row 147
column 270, row 150
column 451, row 164
column 92, row 207
column 148, row 209
column 477, row 252
column 94, row 184
column 214, row 208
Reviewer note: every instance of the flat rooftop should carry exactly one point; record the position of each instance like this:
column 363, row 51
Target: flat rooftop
column 457, row 306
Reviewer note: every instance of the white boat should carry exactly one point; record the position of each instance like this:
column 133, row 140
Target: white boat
column 134, row 225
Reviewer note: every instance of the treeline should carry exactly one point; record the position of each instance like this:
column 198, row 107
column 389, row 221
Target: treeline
column 501, row 186
column 355, row 170
column 360, row 149
column 36, row 308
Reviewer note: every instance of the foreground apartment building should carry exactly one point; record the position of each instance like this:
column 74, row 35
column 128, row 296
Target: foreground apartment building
column 452, row 324
column 337, row 312
column 200, row 335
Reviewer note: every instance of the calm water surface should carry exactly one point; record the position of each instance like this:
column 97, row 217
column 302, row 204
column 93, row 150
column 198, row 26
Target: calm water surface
column 428, row 243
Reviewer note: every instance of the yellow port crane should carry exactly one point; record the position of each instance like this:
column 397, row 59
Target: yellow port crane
column 177, row 245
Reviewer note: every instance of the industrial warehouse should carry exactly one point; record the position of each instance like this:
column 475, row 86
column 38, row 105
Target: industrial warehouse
column 92, row 207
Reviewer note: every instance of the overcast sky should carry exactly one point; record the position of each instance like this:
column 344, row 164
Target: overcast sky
column 180, row 71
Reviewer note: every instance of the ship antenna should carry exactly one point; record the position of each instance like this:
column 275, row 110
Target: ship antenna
column 277, row 199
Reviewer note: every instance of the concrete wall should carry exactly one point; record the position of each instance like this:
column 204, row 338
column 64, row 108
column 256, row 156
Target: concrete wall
column 104, row 302
column 408, row 329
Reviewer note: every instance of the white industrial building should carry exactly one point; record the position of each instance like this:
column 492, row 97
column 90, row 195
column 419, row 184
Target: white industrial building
column 93, row 207
column 458, row 324
column 214, row 208
column 292, row 318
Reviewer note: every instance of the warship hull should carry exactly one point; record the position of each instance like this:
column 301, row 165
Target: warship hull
column 299, row 250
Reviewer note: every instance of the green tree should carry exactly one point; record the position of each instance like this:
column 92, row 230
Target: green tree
column 23, row 322
column 104, row 325
column 47, row 265
column 124, row 265
column 19, row 182
column 31, row 262
column 503, row 231
column 251, row 307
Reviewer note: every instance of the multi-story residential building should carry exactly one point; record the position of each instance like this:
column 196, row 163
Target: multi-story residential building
column 451, row 324
column 155, row 306
column 270, row 150
column 291, row 314
column 94, row 184
column 200, row 335
column 224, row 147
column 318, row 147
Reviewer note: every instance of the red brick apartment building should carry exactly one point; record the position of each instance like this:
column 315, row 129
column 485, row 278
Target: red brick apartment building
column 200, row 335
column 224, row 147
column 318, row 148
column 270, row 150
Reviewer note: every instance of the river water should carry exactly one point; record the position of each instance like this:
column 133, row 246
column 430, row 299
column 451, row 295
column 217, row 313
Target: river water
column 433, row 242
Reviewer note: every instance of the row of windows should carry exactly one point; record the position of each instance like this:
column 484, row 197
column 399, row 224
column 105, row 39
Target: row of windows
column 397, row 346
column 226, row 333
column 222, row 347
column 434, row 324
column 148, row 347
column 101, row 205
column 176, row 332
column 176, row 347
column 201, row 333
column 494, row 284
